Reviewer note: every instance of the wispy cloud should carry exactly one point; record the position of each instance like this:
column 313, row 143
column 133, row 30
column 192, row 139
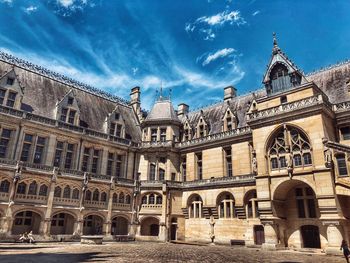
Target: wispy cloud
column 256, row 13
column 206, row 24
column 69, row 7
column 218, row 54
column 6, row 1
column 30, row 9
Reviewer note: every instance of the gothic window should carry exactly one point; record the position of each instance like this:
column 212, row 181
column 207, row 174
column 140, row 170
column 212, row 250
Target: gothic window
column 121, row 198
column 159, row 200
column 39, row 150
column 32, row 188
column 66, row 192
column 4, row 186
column 57, row 192
column 64, row 155
column 305, row 200
column 115, row 198
column 195, row 204
column 127, row 199
column 21, row 188
column 58, row 220
column 163, row 134
column 151, row 199
column 68, row 109
column 226, row 205
column 251, row 204
column 154, row 133
column 96, row 195
column 88, row 195
column 75, row 194
column 280, row 80
column 103, row 197
column 144, row 200
column 341, row 163
column 43, row 190
column 27, row 145
column 115, row 124
column 293, row 140
column 24, row 218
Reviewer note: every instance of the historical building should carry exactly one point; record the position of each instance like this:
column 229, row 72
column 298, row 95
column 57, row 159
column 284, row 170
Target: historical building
column 269, row 168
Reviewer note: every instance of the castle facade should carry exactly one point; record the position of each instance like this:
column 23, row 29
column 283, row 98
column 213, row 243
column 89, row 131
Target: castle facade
column 270, row 168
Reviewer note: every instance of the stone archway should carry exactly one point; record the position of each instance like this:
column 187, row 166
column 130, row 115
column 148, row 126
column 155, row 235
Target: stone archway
column 310, row 236
column 62, row 224
column 26, row 221
column 120, row 226
column 150, row 227
column 93, row 225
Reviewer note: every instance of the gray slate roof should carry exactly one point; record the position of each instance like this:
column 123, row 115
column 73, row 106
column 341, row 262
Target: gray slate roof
column 162, row 110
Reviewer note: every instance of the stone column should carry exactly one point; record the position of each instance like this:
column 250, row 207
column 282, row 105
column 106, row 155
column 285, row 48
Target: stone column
column 46, row 223
column 334, row 238
column 109, row 214
column 163, row 233
column 51, row 150
column 270, row 237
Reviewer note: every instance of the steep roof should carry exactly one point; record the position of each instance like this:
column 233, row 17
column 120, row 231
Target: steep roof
column 162, row 111
column 43, row 91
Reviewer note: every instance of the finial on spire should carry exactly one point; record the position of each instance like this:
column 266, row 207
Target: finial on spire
column 275, row 45
column 161, row 90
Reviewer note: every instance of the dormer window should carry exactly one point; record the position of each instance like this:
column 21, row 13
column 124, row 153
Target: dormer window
column 115, row 129
column 2, row 96
column 201, row 130
column 68, row 109
column 11, row 98
column 116, row 116
column 70, row 101
column 229, row 123
column 114, row 124
column 10, row 81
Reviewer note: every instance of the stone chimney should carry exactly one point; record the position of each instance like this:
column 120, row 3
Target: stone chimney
column 230, row 92
column 135, row 101
column 182, row 110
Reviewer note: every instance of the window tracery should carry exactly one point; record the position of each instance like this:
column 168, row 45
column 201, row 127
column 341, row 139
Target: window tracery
column 287, row 141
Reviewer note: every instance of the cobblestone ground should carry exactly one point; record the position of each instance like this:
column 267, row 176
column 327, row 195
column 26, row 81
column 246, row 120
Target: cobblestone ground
column 150, row 252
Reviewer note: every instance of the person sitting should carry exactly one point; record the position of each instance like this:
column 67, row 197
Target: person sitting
column 344, row 246
column 31, row 237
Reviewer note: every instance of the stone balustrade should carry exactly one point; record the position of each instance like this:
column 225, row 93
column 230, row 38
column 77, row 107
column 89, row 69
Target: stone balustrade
column 151, row 206
column 95, row 204
column 121, row 206
column 288, row 107
column 31, row 198
column 65, row 201
column 4, row 196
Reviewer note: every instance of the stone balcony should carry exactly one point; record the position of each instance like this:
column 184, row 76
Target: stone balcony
column 4, row 197
column 120, row 206
column 95, row 204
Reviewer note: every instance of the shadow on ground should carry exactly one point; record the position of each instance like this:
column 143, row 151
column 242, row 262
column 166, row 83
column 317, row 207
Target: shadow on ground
column 53, row 258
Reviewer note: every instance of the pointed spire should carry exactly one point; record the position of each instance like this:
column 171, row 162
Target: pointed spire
column 275, row 45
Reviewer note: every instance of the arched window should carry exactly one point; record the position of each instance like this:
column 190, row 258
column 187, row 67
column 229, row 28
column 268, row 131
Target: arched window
column 96, row 195
column 5, row 186
column 57, row 192
column 289, row 139
column 121, row 198
column 88, row 195
column 43, row 190
column 152, row 172
column 151, row 199
column 32, row 188
column 127, row 199
column 115, row 198
column 21, row 188
column 159, row 200
column 144, row 200
column 103, row 197
column 161, row 174
column 75, row 194
column 66, row 192
column 251, row 204
column 195, row 204
column 226, row 205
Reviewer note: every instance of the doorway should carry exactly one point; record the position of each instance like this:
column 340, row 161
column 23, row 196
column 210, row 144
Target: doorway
column 311, row 236
column 259, row 235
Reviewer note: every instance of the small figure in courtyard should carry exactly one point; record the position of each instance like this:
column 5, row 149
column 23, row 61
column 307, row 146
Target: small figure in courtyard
column 344, row 246
column 24, row 237
column 31, row 237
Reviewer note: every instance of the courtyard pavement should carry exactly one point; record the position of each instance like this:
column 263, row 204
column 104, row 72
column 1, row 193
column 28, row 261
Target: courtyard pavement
column 150, row 252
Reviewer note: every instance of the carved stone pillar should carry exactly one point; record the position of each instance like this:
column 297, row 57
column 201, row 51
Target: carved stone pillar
column 334, row 237
column 271, row 241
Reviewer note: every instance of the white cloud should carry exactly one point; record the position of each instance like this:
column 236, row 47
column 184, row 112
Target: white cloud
column 134, row 71
column 6, row 1
column 256, row 13
column 218, row 54
column 30, row 9
column 206, row 24
column 66, row 3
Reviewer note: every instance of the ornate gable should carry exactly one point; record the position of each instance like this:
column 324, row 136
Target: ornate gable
column 281, row 73
column 229, row 120
column 11, row 90
column 115, row 124
column 67, row 109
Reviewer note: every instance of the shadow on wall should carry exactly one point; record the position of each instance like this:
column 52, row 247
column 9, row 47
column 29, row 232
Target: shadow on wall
column 53, row 257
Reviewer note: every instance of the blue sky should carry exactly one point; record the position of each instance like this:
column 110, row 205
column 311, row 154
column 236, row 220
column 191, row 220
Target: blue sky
column 194, row 47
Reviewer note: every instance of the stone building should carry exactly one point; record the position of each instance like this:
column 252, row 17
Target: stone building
column 268, row 168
